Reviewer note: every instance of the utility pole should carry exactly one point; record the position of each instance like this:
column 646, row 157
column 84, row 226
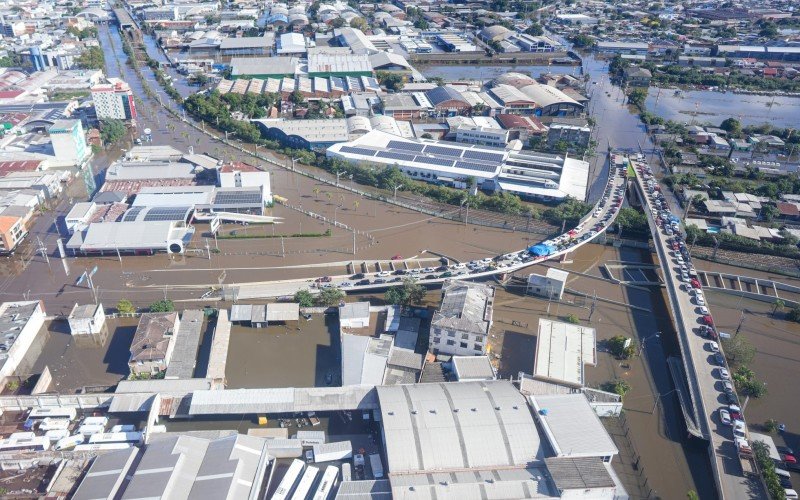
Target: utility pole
column 354, row 241
column 338, row 174
column 283, row 249
column 593, row 306
column 208, row 249
column 395, row 191
column 741, row 322
column 43, row 251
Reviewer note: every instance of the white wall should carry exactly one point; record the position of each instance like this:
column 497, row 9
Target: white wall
column 28, row 333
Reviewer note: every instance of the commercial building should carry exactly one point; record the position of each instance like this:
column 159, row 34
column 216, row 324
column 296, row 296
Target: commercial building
column 153, row 343
column 138, row 237
column 69, row 141
column 562, row 351
column 182, row 466
column 325, row 63
column 264, row 67
column 528, row 174
column 572, row 428
column 549, row 286
column 462, row 323
column 364, row 359
column 114, row 100
column 637, row 77
column 306, row 134
column 613, row 47
column 20, row 322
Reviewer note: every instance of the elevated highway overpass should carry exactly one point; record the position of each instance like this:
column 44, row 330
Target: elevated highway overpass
column 732, row 470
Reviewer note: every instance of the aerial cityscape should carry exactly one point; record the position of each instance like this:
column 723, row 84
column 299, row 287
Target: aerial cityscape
column 418, row 249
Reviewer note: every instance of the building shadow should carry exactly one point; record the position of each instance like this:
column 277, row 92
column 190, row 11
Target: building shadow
column 519, row 350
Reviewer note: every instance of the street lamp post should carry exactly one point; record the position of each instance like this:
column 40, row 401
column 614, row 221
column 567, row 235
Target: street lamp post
column 656, row 335
column 400, row 186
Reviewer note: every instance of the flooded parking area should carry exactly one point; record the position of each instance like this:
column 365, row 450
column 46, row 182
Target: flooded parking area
column 305, row 353
column 79, row 363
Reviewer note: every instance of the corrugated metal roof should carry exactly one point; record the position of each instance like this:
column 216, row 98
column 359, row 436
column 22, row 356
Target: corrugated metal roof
column 579, row 473
column 288, row 400
column 457, row 426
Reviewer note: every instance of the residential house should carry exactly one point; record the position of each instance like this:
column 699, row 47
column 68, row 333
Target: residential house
column 153, row 343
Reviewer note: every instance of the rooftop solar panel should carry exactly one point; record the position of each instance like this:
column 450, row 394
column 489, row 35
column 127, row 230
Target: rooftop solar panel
column 237, row 198
column 357, row 151
column 131, row 214
column 476, row 166
column 439, row 162
column 438, row 150
column 406, row 146
column 166, row 213
column 396, row 156
column 483, row 155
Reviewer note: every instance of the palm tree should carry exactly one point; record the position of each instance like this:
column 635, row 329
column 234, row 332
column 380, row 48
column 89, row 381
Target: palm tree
column 356, row 204
column 328, row 195
column 316, row 193
column 779, row 304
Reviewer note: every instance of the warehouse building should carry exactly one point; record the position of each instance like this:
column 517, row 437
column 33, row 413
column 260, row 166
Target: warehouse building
column 136, row 237
column 528, row 174
column 462, row 323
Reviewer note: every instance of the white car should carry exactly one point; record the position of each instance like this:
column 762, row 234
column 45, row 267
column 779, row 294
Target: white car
column 713, row 347
column 383, row 274
column 725, row 416
column 700, row 300
column 739, row 429
column 460, row 265
column 723, row 374
column 703, row 310
column 486, row 260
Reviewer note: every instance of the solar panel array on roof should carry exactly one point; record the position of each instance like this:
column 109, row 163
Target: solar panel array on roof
column 440, row 162
column 476, row 166
column 166, row 213
column 407, row 146
column 131, row 214
column 357, row 151
column 396, row 156
column 438, row 150
column 237, row 197
column 483, row 155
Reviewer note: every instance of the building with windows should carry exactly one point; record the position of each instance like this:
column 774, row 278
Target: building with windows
column 462, row 323
column 549, row 286
column 12, row 231
column 114, row 100
column 69, row 141
column 20, row 323
column 153, row 343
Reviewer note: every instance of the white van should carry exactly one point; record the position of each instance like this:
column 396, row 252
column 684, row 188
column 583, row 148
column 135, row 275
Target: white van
column 782, row 473
column 790, row 494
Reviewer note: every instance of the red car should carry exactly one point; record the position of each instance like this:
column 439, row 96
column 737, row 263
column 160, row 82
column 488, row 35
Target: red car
column 695, row 283
column 708, row 320
column 789, row 459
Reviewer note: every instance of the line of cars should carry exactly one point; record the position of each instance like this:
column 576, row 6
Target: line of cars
column 730, row 415
column 566, row 241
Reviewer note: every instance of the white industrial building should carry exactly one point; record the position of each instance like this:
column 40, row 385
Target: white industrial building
column 479, row 440
column 525, row 173
column 89, row 319
column 562, row 351
column 139, row 237
column 550, row 286
column 354, row 315
column 462, row 323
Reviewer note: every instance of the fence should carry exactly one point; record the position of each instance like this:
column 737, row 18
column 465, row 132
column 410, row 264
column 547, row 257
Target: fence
column 631, row 472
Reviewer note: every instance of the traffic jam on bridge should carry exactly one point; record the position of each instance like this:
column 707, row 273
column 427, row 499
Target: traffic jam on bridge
column 592, row 225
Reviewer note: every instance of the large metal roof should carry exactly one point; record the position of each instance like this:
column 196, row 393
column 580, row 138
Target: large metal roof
column 457, row 426
column 288, row 400
column 572, row 427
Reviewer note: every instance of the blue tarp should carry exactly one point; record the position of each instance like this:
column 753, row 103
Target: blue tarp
column 541, row 249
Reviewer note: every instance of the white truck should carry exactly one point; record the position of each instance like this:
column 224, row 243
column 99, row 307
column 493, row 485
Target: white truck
column 376, row 465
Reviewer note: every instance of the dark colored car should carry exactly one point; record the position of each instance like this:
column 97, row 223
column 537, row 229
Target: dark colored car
column 441, row 268
column 362, row 282
column 357, row 276
column 446, row 274
column 430, row 277
column 400, row 272
column 379, row 281
column 785, row 450
column 719, row 358
column 324, row 279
